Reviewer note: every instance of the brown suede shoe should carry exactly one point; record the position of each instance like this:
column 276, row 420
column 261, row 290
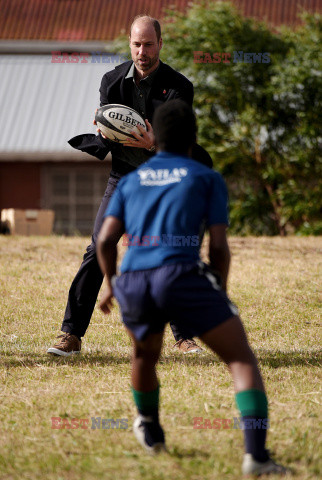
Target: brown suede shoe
column 67, row 345
column 188, row 346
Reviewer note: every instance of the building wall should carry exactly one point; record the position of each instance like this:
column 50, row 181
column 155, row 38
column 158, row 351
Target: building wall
column 72, row 189
column 20, row 185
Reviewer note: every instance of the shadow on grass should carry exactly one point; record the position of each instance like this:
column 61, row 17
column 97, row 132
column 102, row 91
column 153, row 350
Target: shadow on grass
column 273, row 359
column 276, row 359
column 10, row 360
column 189, row 453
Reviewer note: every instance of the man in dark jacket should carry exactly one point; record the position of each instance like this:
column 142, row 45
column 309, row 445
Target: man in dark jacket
column 143, row 84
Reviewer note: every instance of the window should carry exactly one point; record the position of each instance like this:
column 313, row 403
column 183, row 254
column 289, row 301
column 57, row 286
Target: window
column 74, row 193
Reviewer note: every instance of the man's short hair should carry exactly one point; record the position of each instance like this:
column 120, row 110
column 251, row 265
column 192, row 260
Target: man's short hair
column 174, row 125
column 154, row 22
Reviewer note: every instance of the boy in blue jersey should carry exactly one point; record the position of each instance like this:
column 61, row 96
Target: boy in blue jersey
column 162, row 207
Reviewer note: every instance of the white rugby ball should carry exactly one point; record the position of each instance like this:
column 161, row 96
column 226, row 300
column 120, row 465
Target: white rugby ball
column 117, row 121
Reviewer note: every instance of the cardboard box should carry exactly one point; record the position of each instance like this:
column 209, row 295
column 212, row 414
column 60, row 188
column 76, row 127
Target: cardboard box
column 28, row 222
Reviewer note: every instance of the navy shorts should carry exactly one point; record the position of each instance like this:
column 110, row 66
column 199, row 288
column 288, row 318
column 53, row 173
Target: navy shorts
column 186, row 294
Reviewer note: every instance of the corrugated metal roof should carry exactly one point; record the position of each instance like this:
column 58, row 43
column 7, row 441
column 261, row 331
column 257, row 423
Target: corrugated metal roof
column 43, row 104
column 81, row 20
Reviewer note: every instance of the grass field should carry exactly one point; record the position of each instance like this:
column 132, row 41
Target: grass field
column 274, row 281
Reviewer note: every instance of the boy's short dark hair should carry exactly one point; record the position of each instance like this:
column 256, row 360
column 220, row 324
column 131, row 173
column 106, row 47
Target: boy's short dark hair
column 174, row 125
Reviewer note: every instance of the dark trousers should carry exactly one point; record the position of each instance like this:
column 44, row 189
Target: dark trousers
column 88, row 280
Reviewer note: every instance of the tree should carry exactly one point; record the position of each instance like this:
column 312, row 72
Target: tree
column 258, row 117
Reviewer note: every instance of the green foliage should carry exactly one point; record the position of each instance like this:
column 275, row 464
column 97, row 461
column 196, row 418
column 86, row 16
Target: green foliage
column 259, row 121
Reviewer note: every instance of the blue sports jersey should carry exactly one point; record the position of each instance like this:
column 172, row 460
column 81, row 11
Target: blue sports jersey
column 164, row 205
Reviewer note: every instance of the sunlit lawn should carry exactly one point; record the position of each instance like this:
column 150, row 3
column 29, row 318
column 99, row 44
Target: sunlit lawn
column 274, row 281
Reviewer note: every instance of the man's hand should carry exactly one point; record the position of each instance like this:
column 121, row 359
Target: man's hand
column 98, row 130
column 145, row 140
column 106, row 303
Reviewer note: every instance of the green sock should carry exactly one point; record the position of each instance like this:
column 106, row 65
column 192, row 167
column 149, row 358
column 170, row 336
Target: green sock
column 147, row 403
column 252, row 402
column 253, row 407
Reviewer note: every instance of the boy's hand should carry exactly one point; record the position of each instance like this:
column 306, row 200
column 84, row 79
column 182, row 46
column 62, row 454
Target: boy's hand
column 106, row 303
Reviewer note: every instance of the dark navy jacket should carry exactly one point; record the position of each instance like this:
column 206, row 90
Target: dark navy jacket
column 167, row 85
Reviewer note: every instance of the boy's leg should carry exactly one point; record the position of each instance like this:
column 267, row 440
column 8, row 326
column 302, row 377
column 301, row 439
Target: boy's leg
column 145, row 389
column 146, row 354
column 229, row 341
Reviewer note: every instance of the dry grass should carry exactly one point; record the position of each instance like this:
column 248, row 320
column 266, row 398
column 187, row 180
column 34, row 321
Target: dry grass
column 275, row 283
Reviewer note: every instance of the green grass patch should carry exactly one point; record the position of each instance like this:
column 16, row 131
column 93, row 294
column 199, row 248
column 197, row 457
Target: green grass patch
column 274, row 281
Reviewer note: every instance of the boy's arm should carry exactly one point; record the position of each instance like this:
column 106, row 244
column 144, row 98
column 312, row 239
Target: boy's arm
column 219, row 254
column 111, row 231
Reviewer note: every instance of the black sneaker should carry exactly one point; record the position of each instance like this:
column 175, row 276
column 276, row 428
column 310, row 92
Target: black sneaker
column 149, row 434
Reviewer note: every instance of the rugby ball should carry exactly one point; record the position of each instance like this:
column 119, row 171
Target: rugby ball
column 117, row 121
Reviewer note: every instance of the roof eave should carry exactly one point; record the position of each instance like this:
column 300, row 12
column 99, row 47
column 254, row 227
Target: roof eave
column 47, row 157
column 48, row 46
